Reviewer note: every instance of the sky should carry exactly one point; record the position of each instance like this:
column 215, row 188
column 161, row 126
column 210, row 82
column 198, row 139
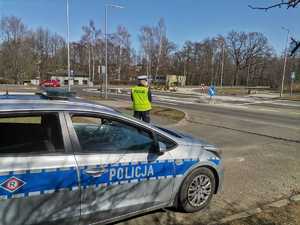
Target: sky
column 192, row 20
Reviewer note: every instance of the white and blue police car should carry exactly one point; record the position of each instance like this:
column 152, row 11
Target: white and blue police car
column 72, row 162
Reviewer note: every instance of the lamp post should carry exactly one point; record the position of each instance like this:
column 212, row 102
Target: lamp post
column 106, row 40
column 222, row 64
column 68, row 46
column 285, row 60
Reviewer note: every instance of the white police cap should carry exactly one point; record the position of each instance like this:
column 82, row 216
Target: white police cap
column 143, row 77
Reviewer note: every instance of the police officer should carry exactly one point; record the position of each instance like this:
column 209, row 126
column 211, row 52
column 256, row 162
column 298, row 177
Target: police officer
column 141, row 98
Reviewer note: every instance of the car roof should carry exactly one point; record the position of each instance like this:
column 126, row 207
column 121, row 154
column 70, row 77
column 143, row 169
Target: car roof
column 26, row 104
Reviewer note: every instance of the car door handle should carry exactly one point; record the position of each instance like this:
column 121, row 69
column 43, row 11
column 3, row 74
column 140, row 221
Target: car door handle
column 95, row 172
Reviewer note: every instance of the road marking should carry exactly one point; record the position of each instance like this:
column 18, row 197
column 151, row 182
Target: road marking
column 268, row 110
column 17, row 93
column 169, row 103
column 258, row 102
column 172, row 100
column 231, row 106
column 235, row 159
column 280, row 103
column 240, row 159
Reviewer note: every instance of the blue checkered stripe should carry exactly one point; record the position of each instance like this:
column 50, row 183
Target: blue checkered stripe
column 47, row 181
column 37, row 182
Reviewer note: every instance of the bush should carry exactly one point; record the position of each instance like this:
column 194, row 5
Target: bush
column 6, row 81
column 122, row 82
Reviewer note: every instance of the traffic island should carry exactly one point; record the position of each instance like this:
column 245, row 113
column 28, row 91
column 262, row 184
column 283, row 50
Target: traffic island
column 165, row 116
column 160, row 115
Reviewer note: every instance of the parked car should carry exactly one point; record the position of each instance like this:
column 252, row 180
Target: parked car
column 50, row 83
column 74, row 162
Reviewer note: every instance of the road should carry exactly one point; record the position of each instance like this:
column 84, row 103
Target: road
column 261, row 151
column 260, row 141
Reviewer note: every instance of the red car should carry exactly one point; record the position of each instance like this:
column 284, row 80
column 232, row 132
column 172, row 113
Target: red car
column 50, row 83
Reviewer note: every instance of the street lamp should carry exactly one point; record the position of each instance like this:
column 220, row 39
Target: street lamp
column 68, row 44
column 285, row 60
column 106, row 39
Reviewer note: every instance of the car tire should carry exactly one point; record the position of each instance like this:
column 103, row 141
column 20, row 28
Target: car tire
column 197, row 190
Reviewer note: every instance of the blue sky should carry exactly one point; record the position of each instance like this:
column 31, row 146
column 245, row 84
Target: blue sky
column 185, row 19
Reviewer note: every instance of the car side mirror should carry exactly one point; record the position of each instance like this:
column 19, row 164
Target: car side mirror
column 162, row 147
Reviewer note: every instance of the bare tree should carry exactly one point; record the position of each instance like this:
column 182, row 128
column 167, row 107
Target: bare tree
column 90, row 36
column 121, row 40
column 243, row 47
column 13, row 49
column 147, row 44
column 157, row 48
column 296, row 46
column 287, row 3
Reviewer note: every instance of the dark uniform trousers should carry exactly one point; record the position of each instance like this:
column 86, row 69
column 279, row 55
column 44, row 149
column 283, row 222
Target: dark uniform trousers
column 142, row 115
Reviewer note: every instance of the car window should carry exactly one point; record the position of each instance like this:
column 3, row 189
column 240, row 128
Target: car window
column 30, row 134
column 169, row 131
column 108, row 135
column 169, row 144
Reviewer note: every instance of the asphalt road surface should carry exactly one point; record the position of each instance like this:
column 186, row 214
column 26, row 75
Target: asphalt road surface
column 261, row 152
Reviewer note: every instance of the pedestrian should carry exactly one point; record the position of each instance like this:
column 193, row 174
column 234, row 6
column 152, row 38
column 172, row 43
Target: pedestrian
column 141, row 98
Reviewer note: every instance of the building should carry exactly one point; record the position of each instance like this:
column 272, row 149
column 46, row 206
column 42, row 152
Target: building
column 75, row 80
column 170, row 80
column 35, row 81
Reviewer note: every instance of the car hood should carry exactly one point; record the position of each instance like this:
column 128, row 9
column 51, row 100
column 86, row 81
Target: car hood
column 190, row 140
column 195, row 144
column 185, row 138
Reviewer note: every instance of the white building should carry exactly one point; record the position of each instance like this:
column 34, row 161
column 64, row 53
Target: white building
column 75, row 80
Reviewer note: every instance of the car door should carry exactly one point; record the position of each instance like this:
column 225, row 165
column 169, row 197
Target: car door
column 38, row 173
column 120, row 173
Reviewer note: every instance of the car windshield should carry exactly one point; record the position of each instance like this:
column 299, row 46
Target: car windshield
column 173, row 133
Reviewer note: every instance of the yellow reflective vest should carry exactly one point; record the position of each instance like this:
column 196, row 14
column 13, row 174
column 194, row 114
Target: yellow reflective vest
column 140, row 98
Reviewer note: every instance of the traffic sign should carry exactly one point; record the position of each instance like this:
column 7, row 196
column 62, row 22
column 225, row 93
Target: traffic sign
column 103, row 69
column 212, row 91
column 293, row 75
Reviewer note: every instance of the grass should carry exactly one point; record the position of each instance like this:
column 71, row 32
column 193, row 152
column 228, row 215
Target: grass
column 296, row 87
column 291, row 98
column 27, row 120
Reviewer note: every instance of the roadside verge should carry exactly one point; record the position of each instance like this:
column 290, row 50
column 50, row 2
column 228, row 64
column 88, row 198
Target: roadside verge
column 166, row 116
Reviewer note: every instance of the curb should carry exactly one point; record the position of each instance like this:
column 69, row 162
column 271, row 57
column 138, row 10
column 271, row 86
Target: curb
column 251, row 212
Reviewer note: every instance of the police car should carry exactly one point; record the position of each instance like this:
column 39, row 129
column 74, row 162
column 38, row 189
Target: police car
column 72, row 162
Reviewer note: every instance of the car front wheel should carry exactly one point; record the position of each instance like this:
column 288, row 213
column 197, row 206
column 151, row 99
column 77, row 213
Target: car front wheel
column 197, row 190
